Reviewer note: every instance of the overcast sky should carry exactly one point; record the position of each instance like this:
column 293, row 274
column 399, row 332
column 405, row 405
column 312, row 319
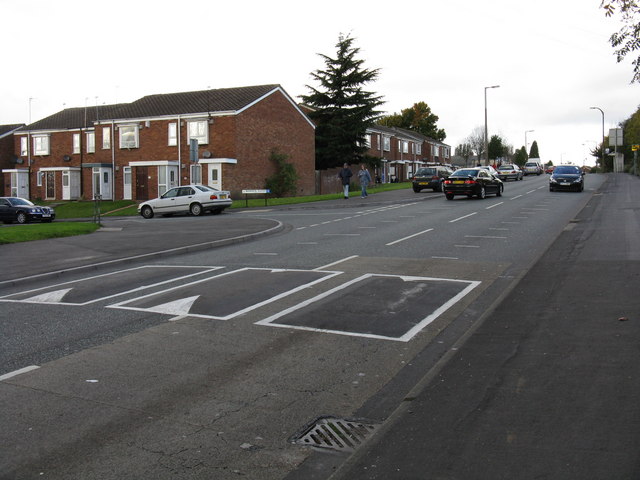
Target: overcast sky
column 551, row 58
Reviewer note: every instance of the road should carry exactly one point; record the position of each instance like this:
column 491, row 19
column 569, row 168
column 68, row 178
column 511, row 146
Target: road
column 211, row 364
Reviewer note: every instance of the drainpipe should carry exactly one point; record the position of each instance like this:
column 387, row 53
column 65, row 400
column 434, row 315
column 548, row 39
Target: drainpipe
column 179, row 135
column 113, row 161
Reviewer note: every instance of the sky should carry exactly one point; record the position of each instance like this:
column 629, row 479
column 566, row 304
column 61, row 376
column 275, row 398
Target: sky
column 551, row 59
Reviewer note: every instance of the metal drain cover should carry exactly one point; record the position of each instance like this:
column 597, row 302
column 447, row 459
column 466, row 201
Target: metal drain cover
column 335, row 433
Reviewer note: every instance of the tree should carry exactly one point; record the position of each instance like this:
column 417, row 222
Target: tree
column 627, row 39
column 418, row 118
column 476, row 141
column 520, row 157
column 282, row 182
column 341, row 107
column 496, row 147
column 464, row 151
column 533, row 153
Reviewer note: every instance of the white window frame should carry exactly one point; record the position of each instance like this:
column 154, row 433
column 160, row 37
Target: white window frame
column 405, row 146
column 76, row 143
column 129, row 129
column 41, row 145
column 418, row 149
column 172, row 134
column 387, row 143
column 24, row 146
column 106, row 138
column 198, row 129
column 39, row 176
column 91, row 142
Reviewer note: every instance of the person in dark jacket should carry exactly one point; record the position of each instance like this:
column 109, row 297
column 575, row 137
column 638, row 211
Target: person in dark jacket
column 345, row 175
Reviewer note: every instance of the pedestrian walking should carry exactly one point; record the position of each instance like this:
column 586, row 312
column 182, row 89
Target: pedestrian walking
column 345, row 175
column 365, row 178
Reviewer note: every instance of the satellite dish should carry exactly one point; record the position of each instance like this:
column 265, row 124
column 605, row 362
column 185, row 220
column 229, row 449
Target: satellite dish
column 206, row 154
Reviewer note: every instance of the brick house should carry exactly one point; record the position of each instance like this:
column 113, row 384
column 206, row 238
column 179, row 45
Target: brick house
column 138, row 150
column 9, row 162
column 403, row 151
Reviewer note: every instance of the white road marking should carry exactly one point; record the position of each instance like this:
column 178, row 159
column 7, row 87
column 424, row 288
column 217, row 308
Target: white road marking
column 462, row 218
column 9, row 375
column 407, row 238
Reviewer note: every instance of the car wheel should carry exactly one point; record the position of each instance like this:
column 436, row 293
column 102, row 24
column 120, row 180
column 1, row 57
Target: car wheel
column 416, row 190
column 482, row 193
column 147, row 211
column 499, row 192
column 449, row 196
column 195, row 209
column 551, row 189
column 21, row 217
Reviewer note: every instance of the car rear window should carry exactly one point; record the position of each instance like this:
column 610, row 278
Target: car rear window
column 426, row 171
column 466, row 173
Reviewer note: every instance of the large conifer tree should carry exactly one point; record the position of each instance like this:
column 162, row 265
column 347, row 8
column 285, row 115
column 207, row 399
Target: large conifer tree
column 341, row 108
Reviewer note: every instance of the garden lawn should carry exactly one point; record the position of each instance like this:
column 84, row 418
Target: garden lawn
column 42, row 231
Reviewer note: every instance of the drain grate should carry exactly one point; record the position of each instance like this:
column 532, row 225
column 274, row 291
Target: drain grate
column 336, row 434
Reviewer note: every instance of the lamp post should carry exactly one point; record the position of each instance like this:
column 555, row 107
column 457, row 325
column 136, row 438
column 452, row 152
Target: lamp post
column 598, row 108
column 526, row 145
column 486, row 135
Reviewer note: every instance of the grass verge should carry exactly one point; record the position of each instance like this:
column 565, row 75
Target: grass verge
column 42, row 231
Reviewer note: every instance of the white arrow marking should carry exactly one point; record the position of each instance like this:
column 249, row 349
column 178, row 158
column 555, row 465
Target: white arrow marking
column 50, row 297
column 177, row 307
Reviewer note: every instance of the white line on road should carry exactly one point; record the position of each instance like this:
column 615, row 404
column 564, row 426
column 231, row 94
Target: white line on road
column 462, row 218
column 9, row 375
column 324, row 267
column 484, row 236
column 407, row 238
column 494, row 205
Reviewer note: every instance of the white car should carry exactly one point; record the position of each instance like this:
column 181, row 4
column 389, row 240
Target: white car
column 193, row 199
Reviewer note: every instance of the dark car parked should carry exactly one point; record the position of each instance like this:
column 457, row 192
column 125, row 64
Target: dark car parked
column 16, row 209
column 430, row 177
column 566, row 177
column 472, row 181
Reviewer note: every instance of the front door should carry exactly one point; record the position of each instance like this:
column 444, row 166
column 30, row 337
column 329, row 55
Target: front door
column 20, row 184
column 215, row 176
column 142, row 183
column 127, row 183
column 50, row 185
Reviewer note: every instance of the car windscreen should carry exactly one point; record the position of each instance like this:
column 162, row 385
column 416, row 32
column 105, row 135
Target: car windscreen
column 20, row 201
column 204, row 188
column 566, row 170
column 421, row 172
column 505, row 167
column 466, row 173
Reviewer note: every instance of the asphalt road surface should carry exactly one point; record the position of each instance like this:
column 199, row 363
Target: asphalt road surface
column 210, row 362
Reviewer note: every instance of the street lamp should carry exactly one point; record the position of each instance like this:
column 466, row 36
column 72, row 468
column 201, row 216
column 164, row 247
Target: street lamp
column 526, row 145
column 486, row 136
column 598, row 108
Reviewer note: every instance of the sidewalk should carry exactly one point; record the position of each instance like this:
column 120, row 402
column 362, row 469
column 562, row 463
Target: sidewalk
column 547, row 385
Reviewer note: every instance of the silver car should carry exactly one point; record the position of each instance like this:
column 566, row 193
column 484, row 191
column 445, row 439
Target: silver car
column 193, row 199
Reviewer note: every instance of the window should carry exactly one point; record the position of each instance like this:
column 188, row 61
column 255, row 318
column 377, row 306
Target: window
column 24, row 144
column 76, row 143
column 403, row 146
column 41, row 145
column 106, row 138
column 39, row 179
column 199, row 130
column 173, row 134
column 387, row 143
column 128, row 136
column 418, row 149
column 91, row 142
column 367, row 141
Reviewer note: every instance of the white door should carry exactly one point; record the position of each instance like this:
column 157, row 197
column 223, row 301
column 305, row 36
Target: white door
column 126, row 173
column 20, row 184
column 66, row 186
column 215, row 176
column 102, row 183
